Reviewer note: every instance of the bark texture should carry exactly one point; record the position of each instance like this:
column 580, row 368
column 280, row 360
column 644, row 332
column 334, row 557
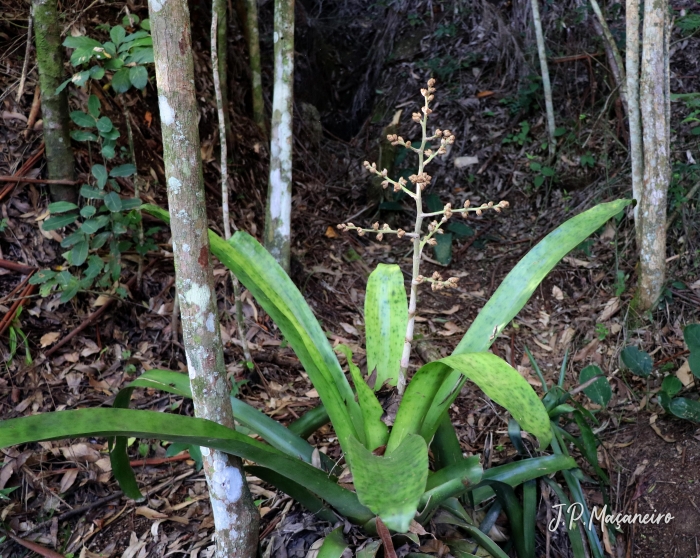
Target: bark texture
column 546, row 83
column 235, row 516
column 218, row 9
column 611, row 51
column 635, row 123
column 253, row 36
column 54, row 107
column 279, row 194
column 656, row 132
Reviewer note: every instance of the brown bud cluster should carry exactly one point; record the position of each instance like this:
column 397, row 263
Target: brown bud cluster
column 416, row 117
column 448, row 210
column 400, row 233
column 422, row 179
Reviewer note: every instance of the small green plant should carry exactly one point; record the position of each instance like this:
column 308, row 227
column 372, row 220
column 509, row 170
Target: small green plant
column 104, row 218
column 587, row 160
column 395, row 482
column 124, row 56
column 542, row 173
column 521, row 137
column 620, row 282
column 640, row 364
column 3, row 224
column 16, row 335
column 601, row 331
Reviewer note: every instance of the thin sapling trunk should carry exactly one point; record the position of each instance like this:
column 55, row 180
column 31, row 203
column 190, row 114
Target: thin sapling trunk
column 236, row 518
column 546, row 84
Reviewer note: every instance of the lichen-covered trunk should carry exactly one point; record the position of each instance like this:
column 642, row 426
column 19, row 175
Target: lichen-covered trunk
column 633, row 114
column 279, row 194
column 544, row 70
column 253, row 35
column 54, row 107
column 656, row 132
column 235, row 516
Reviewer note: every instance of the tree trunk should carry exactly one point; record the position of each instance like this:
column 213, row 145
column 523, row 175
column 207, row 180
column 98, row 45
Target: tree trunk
column 544, row 69
column 279, row 194
column 632, row 70
column 218, row 7
column 235, row 516
column 611, row 51
column 656, row 130
column 54, row 107
column 253, row 36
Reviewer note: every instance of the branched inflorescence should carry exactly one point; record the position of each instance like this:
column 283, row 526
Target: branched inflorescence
column 418, row 183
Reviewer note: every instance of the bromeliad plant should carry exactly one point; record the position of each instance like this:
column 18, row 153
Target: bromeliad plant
column 394, row 481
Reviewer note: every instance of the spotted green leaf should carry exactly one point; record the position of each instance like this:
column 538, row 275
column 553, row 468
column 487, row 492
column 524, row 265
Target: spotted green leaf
column 386, row 316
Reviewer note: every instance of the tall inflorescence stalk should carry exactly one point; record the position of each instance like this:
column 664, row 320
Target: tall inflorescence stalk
column 418, row 182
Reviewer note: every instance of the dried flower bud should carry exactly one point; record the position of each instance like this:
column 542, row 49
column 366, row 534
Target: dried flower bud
column 432, row 242
column 420, row 279
column 451, row 140
column 503, row 204
column 432, row 225
column 400, row 233
column 490, row 204
column 397, row 187
column 408, row 143
column 386, row 227
column 424, row 92
column 428, row 152
column 360, row 232
column 385, row 184
column 416, row 116
column 385, row 173
column 350, row 226
column 431, row 82
column 437, row 276
column 431, row 97
column 467, row 203
column 400, row 139
column 448, row 211
column 478, row 212
column 380, row 236
column 438, row 133
column 497, row 209
column 439, row 231
column 402, row 181
column 446, row 133
column 453, row 281
column 375, row 226
column 442, row 150
column 391, row 137
column 341, row 227
column 434, row 286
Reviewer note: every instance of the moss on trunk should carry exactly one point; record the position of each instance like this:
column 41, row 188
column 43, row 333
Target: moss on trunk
column 54, row 107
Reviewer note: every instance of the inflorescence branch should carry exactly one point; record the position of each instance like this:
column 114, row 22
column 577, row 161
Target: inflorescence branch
column 419, row 182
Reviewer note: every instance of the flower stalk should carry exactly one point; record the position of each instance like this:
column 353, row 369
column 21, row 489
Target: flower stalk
column 418, row 183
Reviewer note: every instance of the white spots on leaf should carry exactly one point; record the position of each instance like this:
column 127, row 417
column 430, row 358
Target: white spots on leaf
column 210, row 323
column 174, row 184
column 167, row 114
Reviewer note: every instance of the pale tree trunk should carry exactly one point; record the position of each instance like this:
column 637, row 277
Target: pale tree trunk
column 612, row 52
column 54, row 107
column 656, row 131
column 544, row 69
column 235, row 517
column 253, row 35
column 633, row 113
column 218, row 10
column 279, row 195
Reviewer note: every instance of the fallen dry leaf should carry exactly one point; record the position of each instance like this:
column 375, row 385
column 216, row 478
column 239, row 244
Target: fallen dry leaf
column 49, row 338
column 330, row 232
column 652, row 423
column 450, row 329
column 149, row 513
column 81, row 453
column 557, row 293
column 684, row 374
column 612, row 306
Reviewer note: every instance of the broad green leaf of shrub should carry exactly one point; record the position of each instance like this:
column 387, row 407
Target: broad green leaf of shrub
column 391, row 485
column 120, row 81
column 513, row 294
column 82, row 119
column 138, row 76
column 691, row 334
column 59, row 221
column 637, row 361
column 685, row 408
column 496, row 378
column 671, row 385
column 599, row 391
column 61, row 207
column 386, row 317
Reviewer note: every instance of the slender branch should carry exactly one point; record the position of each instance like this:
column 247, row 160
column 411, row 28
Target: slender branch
column 240, row 318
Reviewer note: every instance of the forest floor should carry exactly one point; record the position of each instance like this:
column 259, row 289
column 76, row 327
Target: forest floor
column 66, row 499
